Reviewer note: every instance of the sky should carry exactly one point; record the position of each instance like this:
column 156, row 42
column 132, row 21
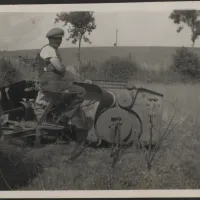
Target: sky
column 22, row 30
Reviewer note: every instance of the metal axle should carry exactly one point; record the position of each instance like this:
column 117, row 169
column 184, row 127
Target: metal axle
column 13, row 110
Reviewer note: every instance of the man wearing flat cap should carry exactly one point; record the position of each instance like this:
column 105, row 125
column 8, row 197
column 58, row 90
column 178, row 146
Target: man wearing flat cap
column 54, row 77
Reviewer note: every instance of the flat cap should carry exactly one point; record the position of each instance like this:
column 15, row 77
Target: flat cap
column 55, row 32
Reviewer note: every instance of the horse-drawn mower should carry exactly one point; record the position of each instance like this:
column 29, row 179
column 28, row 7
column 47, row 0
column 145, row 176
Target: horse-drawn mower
column 117, row 114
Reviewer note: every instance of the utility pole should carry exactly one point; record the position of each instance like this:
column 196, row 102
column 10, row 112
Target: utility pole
column 116, row 37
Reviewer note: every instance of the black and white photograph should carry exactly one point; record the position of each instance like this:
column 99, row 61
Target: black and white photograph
column 105, row 97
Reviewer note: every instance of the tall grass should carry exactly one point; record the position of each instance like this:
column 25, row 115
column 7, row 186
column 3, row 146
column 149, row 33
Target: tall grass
column 124, row 69
column 178, row 160
column 117, row 69
column 177, row 165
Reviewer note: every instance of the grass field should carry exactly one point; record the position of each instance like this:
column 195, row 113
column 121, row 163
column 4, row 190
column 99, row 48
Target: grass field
column 151, row 56
column 176, row 166
column 177, row 163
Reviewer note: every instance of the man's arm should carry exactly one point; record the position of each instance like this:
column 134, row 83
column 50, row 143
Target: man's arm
column 68, row 75
column 57, row 64
column 48, row 53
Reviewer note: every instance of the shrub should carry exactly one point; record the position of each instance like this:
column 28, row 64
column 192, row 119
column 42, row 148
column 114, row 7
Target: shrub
column 186, row 62
column 114, row 69
column 118, row 69
column 89, row 70
column 8, row 72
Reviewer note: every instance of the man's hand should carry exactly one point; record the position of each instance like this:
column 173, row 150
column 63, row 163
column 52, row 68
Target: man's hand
column 88, row 81
column 69, row 76
column 70, row 70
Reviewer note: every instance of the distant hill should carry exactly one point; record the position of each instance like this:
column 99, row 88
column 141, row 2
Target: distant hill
column 149, row 55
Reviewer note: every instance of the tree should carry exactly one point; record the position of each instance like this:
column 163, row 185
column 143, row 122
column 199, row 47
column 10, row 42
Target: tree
column 80, row 24
column 190, row 18
column 186, row 62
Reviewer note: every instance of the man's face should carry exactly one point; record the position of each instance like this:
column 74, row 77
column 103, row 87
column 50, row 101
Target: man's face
column 56, row 42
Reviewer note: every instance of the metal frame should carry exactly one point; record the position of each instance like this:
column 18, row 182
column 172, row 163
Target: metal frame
column 41, row 120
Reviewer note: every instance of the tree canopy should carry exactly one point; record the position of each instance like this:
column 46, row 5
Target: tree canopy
column 189, row 18
column 80, row 24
